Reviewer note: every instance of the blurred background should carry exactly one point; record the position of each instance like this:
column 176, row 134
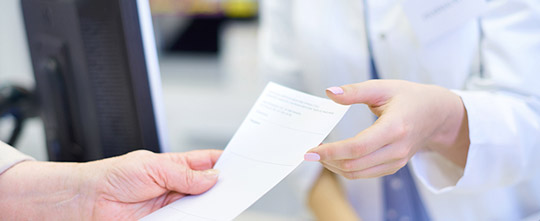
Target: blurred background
column 208, row 59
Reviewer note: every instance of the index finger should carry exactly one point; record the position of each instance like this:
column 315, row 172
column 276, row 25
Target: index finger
column 372, row 92
column 197, row 159
column 366, row 142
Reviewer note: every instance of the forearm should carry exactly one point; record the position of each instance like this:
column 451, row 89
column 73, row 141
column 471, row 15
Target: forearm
column 41, row 191
column 327, row 200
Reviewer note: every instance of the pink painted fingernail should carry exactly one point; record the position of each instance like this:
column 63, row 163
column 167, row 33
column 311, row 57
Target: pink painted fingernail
column 312, row 157
column 335, row 90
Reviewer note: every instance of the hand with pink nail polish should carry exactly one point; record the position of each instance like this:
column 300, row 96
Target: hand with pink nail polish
column 127, row 187
column 412, row 117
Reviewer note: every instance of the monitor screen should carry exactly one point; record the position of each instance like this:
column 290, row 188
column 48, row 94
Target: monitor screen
column 97, row 77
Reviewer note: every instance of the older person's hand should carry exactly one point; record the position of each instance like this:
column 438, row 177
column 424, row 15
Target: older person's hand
column 412, row 117
column 127, row 187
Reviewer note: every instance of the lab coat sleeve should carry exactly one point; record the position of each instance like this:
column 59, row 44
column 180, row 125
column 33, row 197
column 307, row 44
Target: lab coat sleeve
column 9, row 157
column 277, row 55
column 502, row 104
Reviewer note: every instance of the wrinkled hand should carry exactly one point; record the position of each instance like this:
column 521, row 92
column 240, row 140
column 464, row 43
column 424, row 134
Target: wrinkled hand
column 133, row 185
column 412, row 117
column 127, row 187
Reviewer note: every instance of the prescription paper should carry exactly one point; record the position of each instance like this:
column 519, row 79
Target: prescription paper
column 271, row 142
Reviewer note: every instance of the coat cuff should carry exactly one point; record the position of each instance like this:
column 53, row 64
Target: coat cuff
column 9, row 156
column 502, row 145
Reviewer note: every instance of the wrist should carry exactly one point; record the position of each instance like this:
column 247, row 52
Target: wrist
column 451, row 139
column 88, row 176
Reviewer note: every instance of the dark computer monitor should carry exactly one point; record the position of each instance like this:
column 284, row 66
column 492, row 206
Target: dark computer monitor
column 97, row 77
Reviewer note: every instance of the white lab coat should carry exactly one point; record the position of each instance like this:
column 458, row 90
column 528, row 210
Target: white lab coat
column 491, row 61
column 9, row 156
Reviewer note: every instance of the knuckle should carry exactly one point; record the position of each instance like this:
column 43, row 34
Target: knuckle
column 350, row 175
column 400, row 130
column 189, row 179
column 402, row 163
column 387, row 173
column 358, row 150
column 328, row 153
column 401, row 153
column 391, row 171
column 397, row 166
column 347, row 165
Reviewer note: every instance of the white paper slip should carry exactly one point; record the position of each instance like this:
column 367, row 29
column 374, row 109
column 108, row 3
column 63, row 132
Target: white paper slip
column 271, row 142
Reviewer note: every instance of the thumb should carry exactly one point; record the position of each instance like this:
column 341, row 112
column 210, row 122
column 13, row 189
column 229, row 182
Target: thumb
column 373, row 93
column 183, row 179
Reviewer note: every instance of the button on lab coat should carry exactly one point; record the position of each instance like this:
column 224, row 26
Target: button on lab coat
column 492, row 61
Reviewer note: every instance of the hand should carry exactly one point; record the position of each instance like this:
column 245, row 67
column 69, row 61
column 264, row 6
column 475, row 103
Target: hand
column 134, row 185
column 127, row 187
column 412, row 117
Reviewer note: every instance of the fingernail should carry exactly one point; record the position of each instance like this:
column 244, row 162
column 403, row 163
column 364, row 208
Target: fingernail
column 211, row 173
column 335, row 90
column 312, row 157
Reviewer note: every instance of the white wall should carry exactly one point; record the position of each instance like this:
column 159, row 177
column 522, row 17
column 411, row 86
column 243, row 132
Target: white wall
column 14, row 58
column 15, row 68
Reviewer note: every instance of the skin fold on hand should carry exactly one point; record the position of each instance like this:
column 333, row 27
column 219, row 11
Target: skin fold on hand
column 127, row 187
column 412, row 117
